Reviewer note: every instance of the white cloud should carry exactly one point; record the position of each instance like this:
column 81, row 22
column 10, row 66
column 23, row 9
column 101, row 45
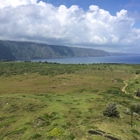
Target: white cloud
column 15, row 3
column 40, row 21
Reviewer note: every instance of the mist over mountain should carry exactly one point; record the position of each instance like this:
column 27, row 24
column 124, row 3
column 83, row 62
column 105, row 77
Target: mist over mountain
column 12, row 50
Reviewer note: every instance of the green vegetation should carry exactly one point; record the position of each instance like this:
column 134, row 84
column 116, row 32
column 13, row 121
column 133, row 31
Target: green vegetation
column 138, row 93
column 49, row 101
column 135, row 108
column 111, row 111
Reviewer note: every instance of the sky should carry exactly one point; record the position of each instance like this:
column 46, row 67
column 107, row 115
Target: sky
column 111, row 25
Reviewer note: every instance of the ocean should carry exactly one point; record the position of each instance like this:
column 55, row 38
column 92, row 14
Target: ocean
column 126, row 59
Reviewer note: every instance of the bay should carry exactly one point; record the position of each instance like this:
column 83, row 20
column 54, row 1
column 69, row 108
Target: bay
column 126, row 59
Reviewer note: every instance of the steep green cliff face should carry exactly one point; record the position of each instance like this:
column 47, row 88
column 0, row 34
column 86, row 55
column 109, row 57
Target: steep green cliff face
column 5, row 53
column 28, row 50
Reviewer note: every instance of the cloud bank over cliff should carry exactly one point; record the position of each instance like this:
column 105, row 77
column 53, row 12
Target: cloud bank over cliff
column 33, row 20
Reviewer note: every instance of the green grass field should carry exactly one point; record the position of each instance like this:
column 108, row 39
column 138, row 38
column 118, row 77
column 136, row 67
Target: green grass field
column 44, row 101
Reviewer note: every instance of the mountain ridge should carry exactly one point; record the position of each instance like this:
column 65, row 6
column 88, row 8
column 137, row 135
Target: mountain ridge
column 14, row 50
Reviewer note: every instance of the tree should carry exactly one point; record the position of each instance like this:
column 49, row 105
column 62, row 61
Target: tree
column 111, row 110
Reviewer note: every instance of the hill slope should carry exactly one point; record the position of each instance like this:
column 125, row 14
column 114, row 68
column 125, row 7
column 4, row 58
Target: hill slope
column 43, row 101
column 29, row 50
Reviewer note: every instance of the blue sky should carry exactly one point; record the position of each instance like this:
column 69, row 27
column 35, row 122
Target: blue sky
column 111, row 25
column 112, row 6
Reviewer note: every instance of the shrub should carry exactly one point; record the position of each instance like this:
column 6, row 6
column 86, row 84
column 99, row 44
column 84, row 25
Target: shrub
column 138, row 93
column 111, row 110
column 114, row 90
column 71, row 137
column 137, row 72
column 135, row 108
column 36, row 136
column 135, row 131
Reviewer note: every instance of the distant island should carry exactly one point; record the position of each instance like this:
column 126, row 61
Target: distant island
column 15, row 50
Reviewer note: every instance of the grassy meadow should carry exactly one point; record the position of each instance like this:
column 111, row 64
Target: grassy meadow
column 50, row 101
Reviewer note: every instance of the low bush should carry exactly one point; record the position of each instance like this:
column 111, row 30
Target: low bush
column 36, row 136
column 114, row 90
column 137, row 72
column 111, row 110
column 135, row 108
column 138, row 93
